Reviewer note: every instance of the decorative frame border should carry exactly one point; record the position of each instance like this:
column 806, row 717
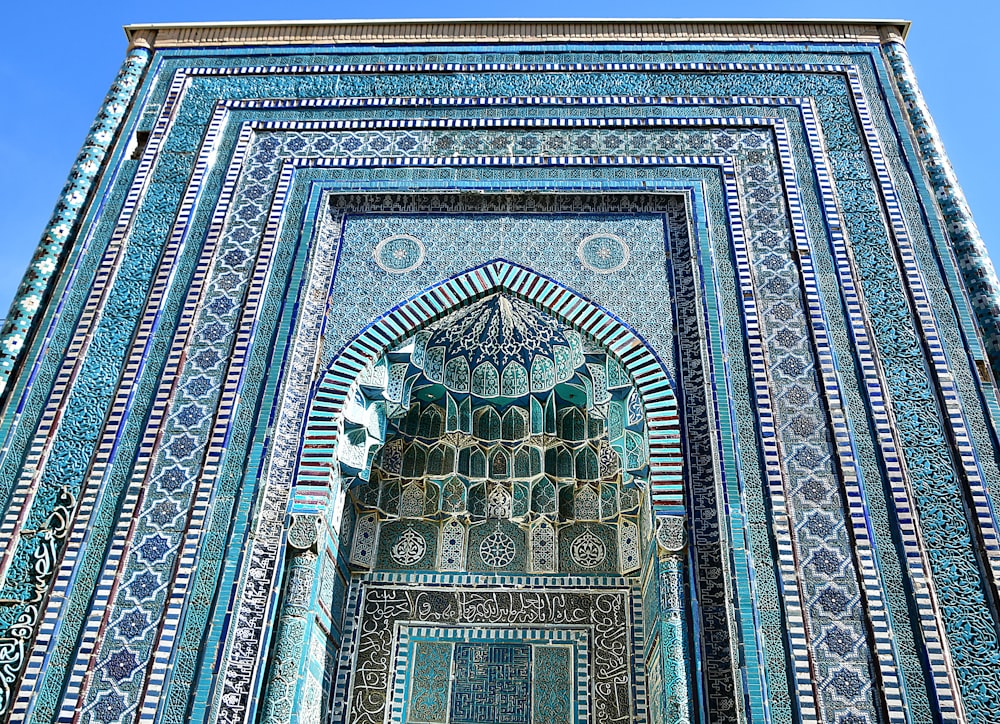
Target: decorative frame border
column 408, row 634
column 522, row 161
column 63, row 229
column 618, row 160
column 828, row 368
column 534, row 584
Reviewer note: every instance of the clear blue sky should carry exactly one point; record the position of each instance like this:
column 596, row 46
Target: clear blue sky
column 58, row 58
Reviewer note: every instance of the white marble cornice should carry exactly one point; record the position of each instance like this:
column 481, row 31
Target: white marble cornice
column 375, row 32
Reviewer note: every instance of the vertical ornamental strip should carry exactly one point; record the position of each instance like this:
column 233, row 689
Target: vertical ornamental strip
column 973, row 259
column 62, row 227
column 27, row 305
column 295, row 669
column 674, row 698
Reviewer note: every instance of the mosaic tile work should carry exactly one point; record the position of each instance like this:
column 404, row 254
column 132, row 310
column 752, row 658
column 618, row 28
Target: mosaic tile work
column 755, row 143
column 499, row 542
column 492, row 684
column 704, row 481
column 977, row 269
column 497, row 414
column 425, row 661
column 573, row 310
column 548, row 245
column 62, row 229
column 497, row 677
column 429, row 691
column 550, row 684
column 764, row 354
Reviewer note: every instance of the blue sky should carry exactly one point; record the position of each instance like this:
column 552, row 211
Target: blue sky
column 57, row 60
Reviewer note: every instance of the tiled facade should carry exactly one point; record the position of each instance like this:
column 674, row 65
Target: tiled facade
column 591, row 374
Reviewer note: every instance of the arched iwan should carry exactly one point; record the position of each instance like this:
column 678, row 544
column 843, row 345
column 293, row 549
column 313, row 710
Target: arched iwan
column 318, row 456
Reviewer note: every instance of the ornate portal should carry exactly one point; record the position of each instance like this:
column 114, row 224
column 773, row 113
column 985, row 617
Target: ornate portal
column 505, row 372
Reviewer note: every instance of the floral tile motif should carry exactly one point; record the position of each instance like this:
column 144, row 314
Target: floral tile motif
column 191, row 458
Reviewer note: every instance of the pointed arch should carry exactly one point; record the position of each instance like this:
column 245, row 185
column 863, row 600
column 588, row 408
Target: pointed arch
column 627, row 348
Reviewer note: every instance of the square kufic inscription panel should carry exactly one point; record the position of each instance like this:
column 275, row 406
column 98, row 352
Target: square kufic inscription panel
column 459, row 675
column 492, row 684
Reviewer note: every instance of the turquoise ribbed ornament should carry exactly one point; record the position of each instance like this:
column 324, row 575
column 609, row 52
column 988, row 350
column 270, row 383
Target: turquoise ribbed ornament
column 497, row 348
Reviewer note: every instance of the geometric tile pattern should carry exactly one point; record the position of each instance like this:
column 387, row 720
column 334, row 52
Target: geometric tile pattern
column 492, row 684
column 464, row 460
column 494, row 674
column 423, row 683
column 807, row 431
column 62, row 228
column 783, row 265
column 974, row 262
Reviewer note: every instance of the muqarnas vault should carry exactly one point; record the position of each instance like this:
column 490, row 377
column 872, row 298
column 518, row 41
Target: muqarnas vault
column 505, row 372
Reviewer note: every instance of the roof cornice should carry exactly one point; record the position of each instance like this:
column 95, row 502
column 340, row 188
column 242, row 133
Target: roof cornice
column 404, row 32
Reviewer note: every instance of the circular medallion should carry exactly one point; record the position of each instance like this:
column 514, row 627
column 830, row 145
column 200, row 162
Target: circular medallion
column 400, row 253
column 588, row 551
column 497, row 549
column 408, row 548
column 603, row 253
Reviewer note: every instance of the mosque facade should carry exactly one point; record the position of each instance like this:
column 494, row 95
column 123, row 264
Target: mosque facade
column 505, row 372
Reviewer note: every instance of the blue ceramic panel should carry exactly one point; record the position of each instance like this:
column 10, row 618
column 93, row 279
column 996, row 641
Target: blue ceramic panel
column 432, row 664
column 492, row 684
